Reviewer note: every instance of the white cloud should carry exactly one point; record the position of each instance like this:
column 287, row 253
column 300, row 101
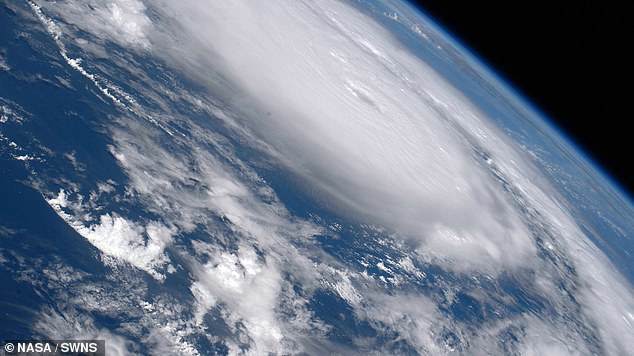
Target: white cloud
column 107, row 88
column 76, row 300
column 11, row 112
column 71, row 325
column 383, row 138
column 140, row 246
column 374, row 133
column 120, row 21
column 60, row 200
column 3, row 63
column 189, row 187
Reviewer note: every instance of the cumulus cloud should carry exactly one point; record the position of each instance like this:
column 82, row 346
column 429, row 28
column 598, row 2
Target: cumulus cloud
column 141, row 246
column 120, row 21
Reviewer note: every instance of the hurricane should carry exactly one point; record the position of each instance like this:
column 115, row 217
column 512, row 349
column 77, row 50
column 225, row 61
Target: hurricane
column 292, row 177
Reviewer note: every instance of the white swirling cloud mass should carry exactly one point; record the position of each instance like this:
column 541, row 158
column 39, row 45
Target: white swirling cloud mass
column 369, row 129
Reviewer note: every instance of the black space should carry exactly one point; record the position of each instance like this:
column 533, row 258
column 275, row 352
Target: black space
column 572, row 59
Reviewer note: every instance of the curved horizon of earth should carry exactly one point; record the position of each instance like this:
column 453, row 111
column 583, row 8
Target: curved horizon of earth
column 292, row 177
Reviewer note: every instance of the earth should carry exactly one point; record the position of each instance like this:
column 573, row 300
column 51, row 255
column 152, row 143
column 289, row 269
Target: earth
column 292, row 177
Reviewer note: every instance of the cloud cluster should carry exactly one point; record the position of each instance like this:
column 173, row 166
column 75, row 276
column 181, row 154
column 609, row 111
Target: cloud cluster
column 140, row 246
column 122, row 21
column 370, row 128
column 372, row 133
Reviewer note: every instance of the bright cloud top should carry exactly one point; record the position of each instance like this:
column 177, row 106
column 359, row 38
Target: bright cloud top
column 371, row 128
column 122, row 21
